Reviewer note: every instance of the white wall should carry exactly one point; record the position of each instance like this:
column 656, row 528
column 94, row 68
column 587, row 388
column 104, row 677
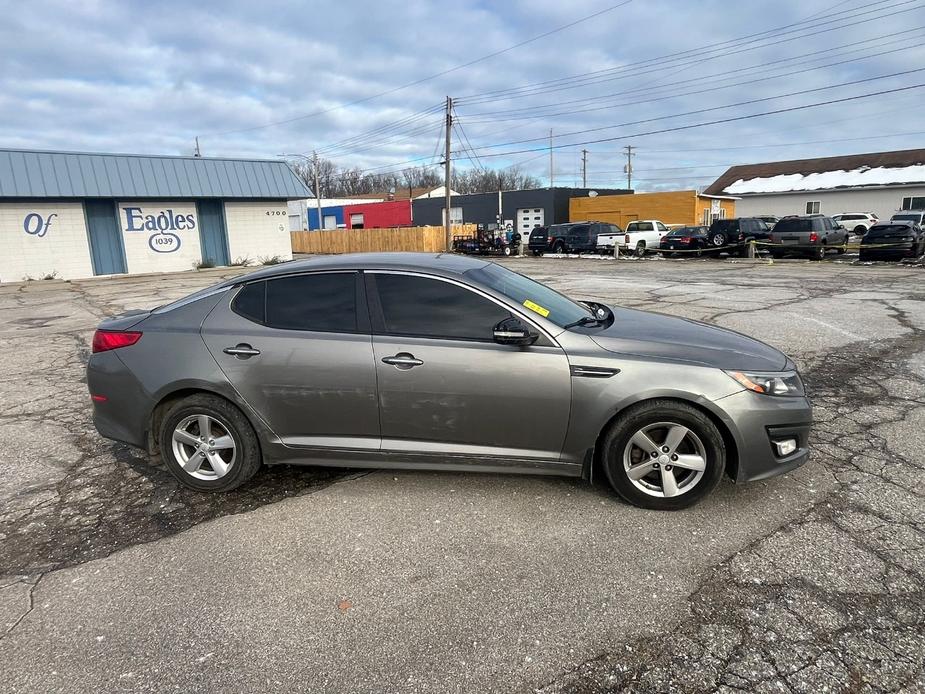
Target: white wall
column 160, row 236
column 62, row 247
column 258, row 230
column 884, row 202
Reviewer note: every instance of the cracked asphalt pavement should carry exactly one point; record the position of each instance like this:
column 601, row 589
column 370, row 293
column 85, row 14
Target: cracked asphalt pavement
column 329, row 580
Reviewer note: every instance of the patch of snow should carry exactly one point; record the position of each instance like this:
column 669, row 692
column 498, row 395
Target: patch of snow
column 827, row 180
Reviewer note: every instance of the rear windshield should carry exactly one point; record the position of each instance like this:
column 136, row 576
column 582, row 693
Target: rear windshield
column 684, row 231
column 640, row 226
column 785, row 225
column 889, row 230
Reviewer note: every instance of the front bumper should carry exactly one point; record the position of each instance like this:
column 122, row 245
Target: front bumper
column 756, row 422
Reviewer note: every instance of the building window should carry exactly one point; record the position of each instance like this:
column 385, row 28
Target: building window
column 813, row 206
column 456, row 215
column 356, row 221
column 913, row 204
column 330, row 221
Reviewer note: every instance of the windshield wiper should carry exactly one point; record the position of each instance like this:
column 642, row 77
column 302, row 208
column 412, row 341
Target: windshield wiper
column 587, row 320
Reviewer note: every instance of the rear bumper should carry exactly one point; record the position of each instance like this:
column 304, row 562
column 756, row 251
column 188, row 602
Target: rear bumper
column 121, row 415
column 894, row 253
column 757, row 422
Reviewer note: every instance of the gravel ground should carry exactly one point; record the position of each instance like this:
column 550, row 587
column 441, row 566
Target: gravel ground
column 810, row 582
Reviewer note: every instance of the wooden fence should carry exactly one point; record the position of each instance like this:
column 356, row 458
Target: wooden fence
column 421, row 239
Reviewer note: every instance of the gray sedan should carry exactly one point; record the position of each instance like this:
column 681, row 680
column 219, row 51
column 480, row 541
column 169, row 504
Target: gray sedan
column 442, row 362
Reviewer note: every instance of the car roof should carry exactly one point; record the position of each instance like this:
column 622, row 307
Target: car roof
column 439, row 263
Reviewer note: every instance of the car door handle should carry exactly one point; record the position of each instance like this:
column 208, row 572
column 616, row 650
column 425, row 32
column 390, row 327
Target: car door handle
column 402, row 360
column 242, row 351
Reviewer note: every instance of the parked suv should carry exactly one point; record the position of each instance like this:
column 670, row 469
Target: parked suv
column 574, row 237
column 858, row 222
column 729, row 232
column 916, row 216
column 809, row 235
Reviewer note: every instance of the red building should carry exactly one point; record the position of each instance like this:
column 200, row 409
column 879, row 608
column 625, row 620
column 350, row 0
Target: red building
column 378, row 215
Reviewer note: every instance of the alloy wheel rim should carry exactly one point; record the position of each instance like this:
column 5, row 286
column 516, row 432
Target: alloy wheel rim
column 204, row 447
column 665, row 459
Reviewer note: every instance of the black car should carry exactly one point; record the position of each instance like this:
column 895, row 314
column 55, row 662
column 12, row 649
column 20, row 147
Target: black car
column 574, row 237
column 736, row 232
column 685, row 241
column 893, row 240
column 809, row 235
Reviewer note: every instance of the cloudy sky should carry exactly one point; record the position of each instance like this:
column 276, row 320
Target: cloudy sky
column 262, row 79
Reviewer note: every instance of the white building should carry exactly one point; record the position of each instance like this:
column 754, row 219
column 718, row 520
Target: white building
column 881, row 182
column 73, row 215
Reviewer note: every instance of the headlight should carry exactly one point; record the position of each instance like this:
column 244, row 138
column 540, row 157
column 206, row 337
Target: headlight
column 785, row 383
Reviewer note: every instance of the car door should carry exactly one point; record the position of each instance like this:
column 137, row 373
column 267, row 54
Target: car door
column 447, row 389
column 298, row 349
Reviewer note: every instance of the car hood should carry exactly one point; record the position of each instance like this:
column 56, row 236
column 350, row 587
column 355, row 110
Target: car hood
column 679, row 339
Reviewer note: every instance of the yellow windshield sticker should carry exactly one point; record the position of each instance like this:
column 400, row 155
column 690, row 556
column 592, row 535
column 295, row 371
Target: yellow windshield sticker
column 536, row 308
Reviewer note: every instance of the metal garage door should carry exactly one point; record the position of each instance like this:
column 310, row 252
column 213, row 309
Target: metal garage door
column 105, row 237
column 529, row 219
column 212, row 237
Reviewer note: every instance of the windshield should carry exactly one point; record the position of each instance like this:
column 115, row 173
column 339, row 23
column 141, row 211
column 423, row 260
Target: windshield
column 537, row 297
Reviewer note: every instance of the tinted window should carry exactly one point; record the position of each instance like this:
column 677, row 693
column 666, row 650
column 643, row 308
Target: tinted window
column 250, row 302
column 433, row 308
column 910, row 217
column 661, row 227
column 640, row 226
column 724, row 224
column 889, row 230
column 323, row 302
column 793, row 225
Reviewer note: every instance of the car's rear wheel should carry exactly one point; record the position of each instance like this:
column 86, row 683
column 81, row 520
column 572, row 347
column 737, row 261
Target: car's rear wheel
column 640, row 249
column 664, row 455
column 718, row 240
column 559, row 247
column 208, row 444
column 537, row 253
column 818, row 253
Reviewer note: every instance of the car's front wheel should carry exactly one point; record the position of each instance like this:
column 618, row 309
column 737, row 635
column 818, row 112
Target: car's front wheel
column 208, row 444
column 664, row 455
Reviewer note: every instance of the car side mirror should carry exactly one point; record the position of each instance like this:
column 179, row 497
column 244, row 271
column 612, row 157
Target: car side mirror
column 513, row 331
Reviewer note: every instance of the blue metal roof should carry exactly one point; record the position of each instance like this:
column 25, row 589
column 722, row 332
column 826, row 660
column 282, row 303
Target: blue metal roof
column 40, row 174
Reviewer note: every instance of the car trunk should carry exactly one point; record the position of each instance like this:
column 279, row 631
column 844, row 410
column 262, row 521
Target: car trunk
column 539, row 237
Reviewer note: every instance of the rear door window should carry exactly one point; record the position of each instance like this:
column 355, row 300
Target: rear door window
column 322, row 302
column 423, row 307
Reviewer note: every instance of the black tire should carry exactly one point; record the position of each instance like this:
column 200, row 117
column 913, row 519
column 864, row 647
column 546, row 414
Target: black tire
column 818, row 253
column 718, row 239
column 640, row 250
column 247, row 457
column 537, row 253
column 668, row 254
column 507, row 250
column 559, row 247
column 860, row 230
column 655, row 412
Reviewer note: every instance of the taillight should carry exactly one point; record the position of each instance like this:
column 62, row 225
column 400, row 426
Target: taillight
column 626, row 240
column 813, row 237
column 685, row 239
column 105, row 340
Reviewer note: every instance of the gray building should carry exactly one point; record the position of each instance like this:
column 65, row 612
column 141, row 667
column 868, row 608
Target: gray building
column 878, row 182
column 523, row 210
column 72, row 215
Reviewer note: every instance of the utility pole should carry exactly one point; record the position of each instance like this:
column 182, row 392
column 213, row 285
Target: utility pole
column 584, row 168
column 317, row 191
column 447, row 227
column 629, row 166
column 198, row 153
column 551, row 176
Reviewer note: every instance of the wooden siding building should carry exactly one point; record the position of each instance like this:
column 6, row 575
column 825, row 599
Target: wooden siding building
column 674, row 207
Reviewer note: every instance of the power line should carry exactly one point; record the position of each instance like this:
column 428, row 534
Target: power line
column 535, row 111
column 719, row 121
column 428, row 78
column 697, row 54
column 713, row 108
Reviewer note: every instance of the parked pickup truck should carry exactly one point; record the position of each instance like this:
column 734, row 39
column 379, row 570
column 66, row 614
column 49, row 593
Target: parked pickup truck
column 640, row 237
